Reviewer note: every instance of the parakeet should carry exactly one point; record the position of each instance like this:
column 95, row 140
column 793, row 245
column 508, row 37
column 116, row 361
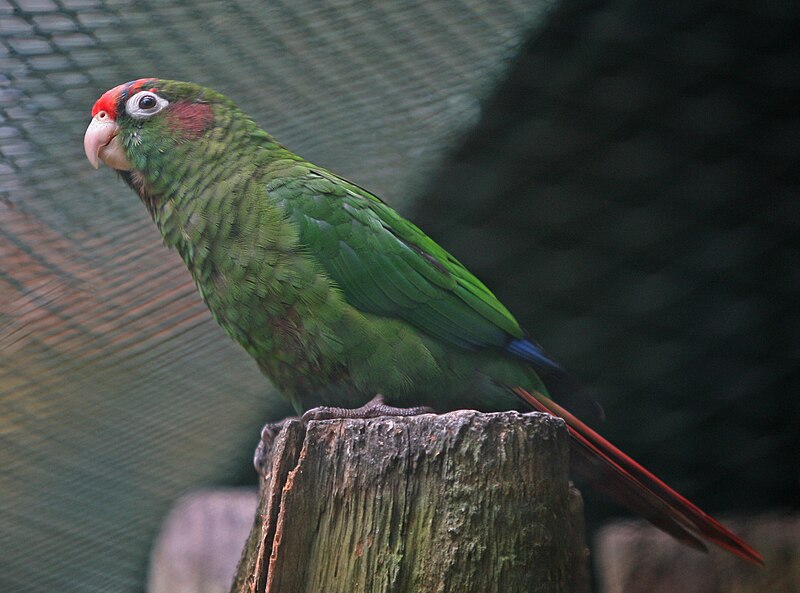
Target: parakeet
column 335, row 295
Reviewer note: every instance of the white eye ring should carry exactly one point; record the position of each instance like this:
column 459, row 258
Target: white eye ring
column 135, row 110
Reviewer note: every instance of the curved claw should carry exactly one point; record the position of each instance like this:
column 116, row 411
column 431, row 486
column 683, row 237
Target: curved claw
column 269, row 433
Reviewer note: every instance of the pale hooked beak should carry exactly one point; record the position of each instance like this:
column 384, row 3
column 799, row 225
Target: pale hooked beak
column 102, row 144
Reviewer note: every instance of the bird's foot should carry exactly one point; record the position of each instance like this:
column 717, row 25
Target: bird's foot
column 264, row 449
column 374, row 408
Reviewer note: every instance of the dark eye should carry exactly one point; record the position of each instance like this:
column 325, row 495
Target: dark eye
column 147, row 102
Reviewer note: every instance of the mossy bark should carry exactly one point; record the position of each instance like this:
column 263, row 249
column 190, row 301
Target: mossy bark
column 462, row 502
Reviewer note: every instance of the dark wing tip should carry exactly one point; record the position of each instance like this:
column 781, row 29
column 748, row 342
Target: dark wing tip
column 528, row 350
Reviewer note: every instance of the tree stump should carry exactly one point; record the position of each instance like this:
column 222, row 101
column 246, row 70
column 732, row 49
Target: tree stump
column 462, row 502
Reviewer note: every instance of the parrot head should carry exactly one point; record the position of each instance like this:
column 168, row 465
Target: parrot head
column 137, row 124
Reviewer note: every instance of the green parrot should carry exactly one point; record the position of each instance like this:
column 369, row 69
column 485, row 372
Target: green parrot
column 335, row 295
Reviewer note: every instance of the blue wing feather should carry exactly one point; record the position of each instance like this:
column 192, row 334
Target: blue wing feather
column 529, row 351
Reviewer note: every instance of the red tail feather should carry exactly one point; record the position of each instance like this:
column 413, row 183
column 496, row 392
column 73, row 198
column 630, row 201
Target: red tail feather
column 620, row 477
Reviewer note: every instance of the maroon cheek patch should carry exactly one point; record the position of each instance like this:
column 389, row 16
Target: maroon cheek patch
column 189, row 120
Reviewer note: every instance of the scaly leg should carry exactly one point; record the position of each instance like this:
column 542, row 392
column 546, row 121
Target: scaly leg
column 374, row 408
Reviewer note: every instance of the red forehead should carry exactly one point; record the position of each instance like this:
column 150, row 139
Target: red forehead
column 110, row 99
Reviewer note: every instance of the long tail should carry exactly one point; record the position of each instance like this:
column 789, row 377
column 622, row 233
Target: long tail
column 621, row 478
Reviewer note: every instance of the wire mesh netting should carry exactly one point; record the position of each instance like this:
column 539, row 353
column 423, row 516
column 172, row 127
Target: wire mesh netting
column 630, row 191
column 117, row 391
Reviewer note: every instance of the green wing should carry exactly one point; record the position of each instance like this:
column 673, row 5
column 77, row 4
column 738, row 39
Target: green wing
column 388, row 266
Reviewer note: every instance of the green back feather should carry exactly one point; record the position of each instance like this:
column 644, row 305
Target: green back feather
column 386, row 265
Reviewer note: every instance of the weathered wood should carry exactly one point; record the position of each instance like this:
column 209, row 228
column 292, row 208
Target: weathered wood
column 252, row 572
column 635, row 557
column 463, row 502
